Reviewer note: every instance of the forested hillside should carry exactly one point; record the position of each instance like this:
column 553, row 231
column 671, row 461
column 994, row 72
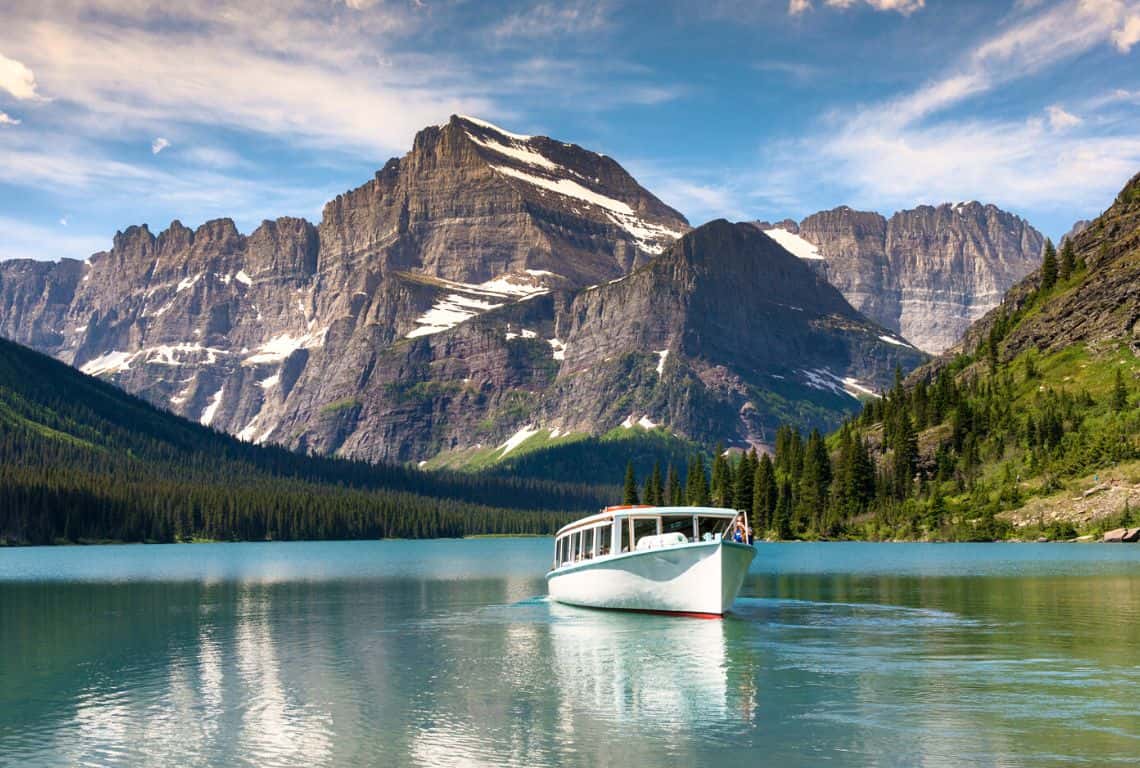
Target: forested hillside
column 82, row 461
column 1035, row 405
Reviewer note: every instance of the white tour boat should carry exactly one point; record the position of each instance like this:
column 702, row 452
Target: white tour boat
column 645, row 558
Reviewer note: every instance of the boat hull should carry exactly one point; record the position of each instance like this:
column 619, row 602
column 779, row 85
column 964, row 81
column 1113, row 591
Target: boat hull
column 702, row 578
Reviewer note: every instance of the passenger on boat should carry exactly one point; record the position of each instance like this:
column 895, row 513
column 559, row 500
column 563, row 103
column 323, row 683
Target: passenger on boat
column 739, row 530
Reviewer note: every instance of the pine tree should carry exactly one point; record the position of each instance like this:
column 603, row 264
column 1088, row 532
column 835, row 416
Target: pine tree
column 675, row 495
column 764, row 494
column 1049, row 266
column 1068, row 260
column 744, row 480
column 812, row 491
column 905, row 459
column 697, row 485
column 629, row 495
column 782, row 517
column 657, row 498
column 1119, row 392
column 721, row 491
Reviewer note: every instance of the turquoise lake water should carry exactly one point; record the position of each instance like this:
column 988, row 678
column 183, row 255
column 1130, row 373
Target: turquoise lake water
column 403, row 653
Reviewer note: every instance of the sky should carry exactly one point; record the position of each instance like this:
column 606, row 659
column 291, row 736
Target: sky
column 120, row 112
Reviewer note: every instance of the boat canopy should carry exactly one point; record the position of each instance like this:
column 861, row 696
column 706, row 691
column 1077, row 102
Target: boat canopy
column 645, row 510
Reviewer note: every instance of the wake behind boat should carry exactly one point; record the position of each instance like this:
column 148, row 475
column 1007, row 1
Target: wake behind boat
column 645, row 558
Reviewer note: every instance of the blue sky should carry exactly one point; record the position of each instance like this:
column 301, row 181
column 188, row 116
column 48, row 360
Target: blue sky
column 116, row 112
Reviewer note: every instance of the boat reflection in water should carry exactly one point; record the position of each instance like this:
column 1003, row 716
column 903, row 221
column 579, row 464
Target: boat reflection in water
column 647, row 675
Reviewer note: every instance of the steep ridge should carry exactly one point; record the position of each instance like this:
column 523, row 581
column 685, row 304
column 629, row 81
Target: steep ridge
column 926, row 273
column 220, row 326
column 1099, row 307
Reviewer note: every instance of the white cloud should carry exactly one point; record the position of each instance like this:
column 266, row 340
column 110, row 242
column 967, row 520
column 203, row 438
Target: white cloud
column 328, row 80
column 158, row 145
column 905, row 7
column 17, row 79
column 63, row 221
column 1128, row 34
column 915, row 147
column 1060, row 119
column 6, row 119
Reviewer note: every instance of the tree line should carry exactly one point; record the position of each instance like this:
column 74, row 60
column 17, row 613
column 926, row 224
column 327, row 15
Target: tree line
column 871, row 479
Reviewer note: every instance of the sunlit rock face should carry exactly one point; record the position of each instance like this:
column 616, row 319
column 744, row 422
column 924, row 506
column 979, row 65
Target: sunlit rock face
column 925, row 273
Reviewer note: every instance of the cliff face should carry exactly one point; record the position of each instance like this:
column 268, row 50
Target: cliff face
column 483, row 284
column 926, row 273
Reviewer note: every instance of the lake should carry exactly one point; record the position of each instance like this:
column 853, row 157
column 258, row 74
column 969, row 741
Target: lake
column 409, row 653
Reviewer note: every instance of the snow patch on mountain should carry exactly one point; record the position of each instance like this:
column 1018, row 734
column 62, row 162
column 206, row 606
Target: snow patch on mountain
column 896, row 342
column 794, row 244
column 643, row 421
column 187, row 283
column 828, row 381
column 621, row 214
column 468, row 300
column 112, row 362
column 517, row 151
column 211, row 409
column 281, row 346
column 662, row 354
column 558, row 349
column 517, row 439
column 495, row 128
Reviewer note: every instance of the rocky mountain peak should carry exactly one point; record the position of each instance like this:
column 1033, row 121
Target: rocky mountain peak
column 925, row 272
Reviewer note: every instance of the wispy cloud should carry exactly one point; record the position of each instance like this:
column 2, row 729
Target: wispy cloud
column 905, row 7
column 546, row 20
column 6, row 119
column 281, row 69
column 922, row 145
column 1060, row 118
column 158, row 145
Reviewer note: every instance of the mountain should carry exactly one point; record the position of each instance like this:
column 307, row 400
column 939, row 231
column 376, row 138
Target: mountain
column 925, row 273
column 82, row 460
column 1028, row 427
column 485, row 290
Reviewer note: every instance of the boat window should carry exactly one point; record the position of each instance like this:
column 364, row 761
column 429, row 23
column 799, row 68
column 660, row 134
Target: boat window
column 563, row 548
column 574, row 538
column 682, row 525
column 711, row 528
column 641, row 527
column 587, row 543
column 605, row 534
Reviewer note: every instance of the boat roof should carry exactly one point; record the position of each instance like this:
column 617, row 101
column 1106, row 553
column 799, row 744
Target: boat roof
column 638, row 510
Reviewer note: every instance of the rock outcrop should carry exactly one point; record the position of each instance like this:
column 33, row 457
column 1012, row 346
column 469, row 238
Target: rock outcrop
column 925, row 273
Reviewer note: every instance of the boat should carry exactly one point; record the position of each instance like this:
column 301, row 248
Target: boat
column 682, row 560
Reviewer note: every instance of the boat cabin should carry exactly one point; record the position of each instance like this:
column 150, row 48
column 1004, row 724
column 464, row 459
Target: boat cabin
column 636, row 528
